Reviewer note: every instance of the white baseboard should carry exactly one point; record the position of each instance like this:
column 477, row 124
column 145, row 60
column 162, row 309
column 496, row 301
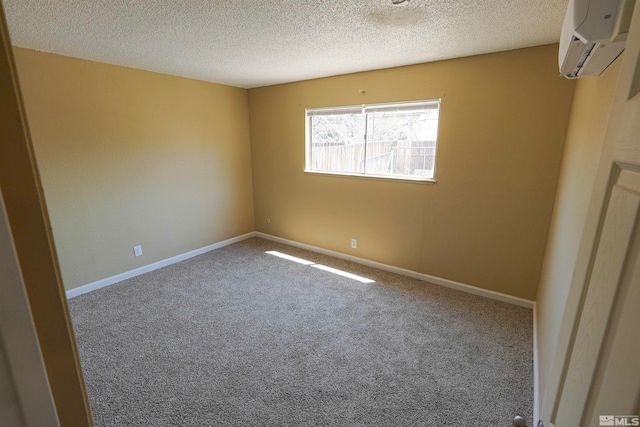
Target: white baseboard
column 427, row 278
column 154, row 266
column 536, row 373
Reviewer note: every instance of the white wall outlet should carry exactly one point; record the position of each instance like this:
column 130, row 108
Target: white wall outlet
column 354, row 243
column 137, row 250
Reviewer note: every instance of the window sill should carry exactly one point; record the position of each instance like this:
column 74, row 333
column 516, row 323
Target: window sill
column 428, row 181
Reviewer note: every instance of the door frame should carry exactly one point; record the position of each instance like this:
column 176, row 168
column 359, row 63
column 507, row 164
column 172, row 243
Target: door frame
column 32, row 246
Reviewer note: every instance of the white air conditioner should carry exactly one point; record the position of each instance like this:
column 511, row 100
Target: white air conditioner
column 593, row 36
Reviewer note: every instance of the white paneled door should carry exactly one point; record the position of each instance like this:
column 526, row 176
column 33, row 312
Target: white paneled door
column 596, row 370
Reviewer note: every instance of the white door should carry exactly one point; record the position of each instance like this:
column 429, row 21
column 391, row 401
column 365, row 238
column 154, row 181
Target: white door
column 596, row 369
column 25, row 397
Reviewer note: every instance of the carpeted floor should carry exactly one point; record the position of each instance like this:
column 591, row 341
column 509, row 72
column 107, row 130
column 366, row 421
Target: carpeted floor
column 239, row 337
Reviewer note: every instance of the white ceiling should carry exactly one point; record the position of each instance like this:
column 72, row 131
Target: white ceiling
column 251, row 43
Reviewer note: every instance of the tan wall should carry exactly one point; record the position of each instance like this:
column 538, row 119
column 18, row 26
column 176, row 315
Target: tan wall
column 585, row 137
column 502, row 130
column 129, row 157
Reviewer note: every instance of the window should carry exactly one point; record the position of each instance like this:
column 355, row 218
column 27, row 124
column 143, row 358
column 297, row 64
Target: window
column 397, row 140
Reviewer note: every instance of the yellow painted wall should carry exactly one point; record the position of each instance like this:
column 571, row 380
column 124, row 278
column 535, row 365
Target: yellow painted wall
column 589, row 117
column 129, row 157
column 502, row 130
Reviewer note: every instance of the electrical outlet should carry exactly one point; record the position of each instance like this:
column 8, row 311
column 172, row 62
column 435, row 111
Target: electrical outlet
column 137, row 250
column 354, row 243
column 268, row 220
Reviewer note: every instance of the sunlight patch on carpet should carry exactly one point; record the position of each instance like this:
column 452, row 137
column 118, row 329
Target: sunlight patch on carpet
column 290, row 258
column 343, row 273
column 321, row 267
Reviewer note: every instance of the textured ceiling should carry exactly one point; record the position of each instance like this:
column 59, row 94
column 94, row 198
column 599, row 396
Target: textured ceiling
column 251, row 43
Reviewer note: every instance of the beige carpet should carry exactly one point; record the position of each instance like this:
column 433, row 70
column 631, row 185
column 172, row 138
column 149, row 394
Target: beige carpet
column 240, row 337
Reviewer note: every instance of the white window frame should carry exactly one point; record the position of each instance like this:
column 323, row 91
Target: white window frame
column 364, row 109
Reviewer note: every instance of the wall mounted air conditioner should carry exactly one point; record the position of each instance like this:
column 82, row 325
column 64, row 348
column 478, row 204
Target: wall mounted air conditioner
column 593, row 36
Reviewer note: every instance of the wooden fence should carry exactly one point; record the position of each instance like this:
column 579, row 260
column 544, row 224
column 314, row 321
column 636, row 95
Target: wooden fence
column 412, row 158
